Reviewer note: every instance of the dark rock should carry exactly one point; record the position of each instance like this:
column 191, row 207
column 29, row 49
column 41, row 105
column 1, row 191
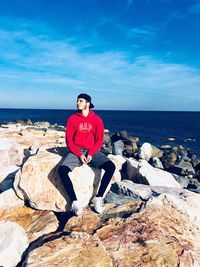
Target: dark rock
column 156, row 162
column 197, row 167
column 194, row 187
column 107, row 139
column 106, row 149
column 128, row 171
column 183, row 168
column 57, row 127
column 118, row 198
column 130, row 150
column 169, row 160
column 182, row 180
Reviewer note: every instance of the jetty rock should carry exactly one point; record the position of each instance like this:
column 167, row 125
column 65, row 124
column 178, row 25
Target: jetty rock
column 13, row 242
column 38, row 182
column 136, row 233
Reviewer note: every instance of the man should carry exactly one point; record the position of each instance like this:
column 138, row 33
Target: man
column 84, row 138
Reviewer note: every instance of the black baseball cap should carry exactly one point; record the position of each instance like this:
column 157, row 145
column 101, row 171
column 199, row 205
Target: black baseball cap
column 87, row 98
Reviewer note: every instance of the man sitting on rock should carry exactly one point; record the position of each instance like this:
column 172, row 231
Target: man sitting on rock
column 84, row 138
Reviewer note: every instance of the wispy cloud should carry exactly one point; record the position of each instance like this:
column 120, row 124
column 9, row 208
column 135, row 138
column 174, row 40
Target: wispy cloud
column 142, row 32
column 57, row 70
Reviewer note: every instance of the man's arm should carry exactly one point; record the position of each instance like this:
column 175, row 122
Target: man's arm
column 99, row 137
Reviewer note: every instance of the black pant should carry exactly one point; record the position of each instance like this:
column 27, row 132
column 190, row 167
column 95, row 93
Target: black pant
column 63, row 171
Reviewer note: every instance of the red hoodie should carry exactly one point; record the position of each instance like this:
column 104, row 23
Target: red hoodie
column 84, row 132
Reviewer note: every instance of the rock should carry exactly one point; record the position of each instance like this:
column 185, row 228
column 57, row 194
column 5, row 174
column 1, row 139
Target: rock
column 194, row 160
column 13, row 243
column 54, row 134
column 106, row 149
column 156, row 176
column 165, row 147
column 78, row 249
column 131, row 190
column 10, row 153
column 169, row 160
column 185, row 201
column 130, row 150
column 156, row 163
column 151, row 238
column 7, row 174
column 87, row 222
column 182, row 168
column 9, row 199
column 107, row 140
column 32, row 131
column 182, row 180
column 134, row 139
column 40, row 185
column 128, row 171
column 118, row 147
column 36, row 223
column 148, row 151
column 44, row 124
column 171, row 139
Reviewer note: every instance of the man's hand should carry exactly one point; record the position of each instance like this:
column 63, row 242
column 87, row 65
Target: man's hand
column 83, row 159
column 89, row 158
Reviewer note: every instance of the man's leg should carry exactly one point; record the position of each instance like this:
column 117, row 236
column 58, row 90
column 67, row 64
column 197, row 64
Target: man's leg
column 101, row 161
column 66, row 181
column 109, row 168
column 70, row 162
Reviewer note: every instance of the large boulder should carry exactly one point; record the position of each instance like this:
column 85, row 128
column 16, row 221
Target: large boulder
column 13, row 243
column 156, row 176
column 39, row 182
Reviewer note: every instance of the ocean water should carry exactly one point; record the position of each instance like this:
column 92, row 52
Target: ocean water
column 150, row 126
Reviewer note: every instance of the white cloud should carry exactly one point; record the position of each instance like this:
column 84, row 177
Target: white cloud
column 57, row 69
column 135, row 32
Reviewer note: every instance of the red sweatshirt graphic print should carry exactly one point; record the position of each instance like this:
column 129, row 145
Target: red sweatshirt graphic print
column 84, row 132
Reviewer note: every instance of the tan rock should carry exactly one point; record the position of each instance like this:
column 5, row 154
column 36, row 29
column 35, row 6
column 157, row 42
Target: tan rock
column 87, row 222
column 10, row 152
column 39, row 182
column 75, row 250
column 36, row 223
column 148, row 151
column 156, row 236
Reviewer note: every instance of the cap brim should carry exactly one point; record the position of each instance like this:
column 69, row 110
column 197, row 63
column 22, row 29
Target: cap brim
column 91, row 105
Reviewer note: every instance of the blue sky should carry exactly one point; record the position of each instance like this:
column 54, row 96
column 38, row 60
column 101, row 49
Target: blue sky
column 127, row 54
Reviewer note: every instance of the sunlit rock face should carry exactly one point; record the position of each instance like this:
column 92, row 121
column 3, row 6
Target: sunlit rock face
column 36, row 223
column 132, row 234
column 13, row 242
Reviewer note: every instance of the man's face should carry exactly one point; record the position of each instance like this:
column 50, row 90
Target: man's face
column 82, row 104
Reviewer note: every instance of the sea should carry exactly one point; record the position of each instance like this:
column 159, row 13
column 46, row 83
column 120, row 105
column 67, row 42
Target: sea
column 154, row 127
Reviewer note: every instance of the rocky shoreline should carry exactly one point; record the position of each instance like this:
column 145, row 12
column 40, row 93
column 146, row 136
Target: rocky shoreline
column 152, row 213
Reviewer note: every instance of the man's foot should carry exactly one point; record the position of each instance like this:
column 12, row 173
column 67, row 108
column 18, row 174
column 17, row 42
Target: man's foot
column 98, row 204
column 77, row 207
